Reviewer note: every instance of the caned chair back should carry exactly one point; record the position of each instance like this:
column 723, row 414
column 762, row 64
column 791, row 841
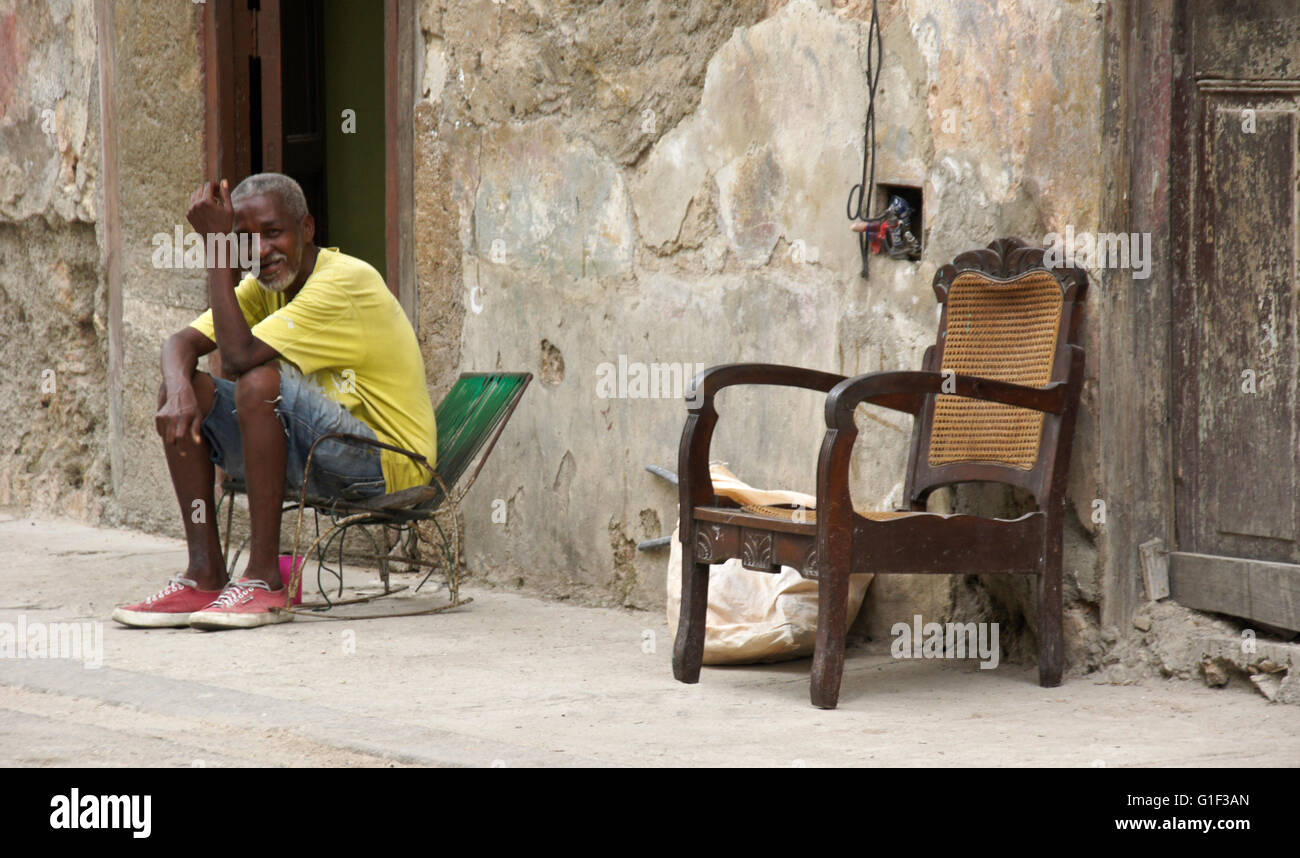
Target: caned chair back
column 1009, row 318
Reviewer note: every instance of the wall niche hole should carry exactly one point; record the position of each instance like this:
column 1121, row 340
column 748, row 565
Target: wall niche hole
column 913, row 196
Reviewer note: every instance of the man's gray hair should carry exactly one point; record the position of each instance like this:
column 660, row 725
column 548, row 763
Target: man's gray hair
column 277, row 184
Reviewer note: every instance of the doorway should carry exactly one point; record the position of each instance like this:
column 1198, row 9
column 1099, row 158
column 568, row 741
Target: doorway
column 311, row 88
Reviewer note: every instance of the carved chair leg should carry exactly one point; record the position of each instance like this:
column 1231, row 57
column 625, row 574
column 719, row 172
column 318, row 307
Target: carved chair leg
column 1051, row 642
column 832, row 628
column 688, row 649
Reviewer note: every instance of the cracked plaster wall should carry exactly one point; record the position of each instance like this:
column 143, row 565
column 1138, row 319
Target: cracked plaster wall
column 53, row 403
column 664, row 183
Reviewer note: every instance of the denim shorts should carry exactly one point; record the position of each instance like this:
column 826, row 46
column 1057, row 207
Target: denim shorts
column 339, row 469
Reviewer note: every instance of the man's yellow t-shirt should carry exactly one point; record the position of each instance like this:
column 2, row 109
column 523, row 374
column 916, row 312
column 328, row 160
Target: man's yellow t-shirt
column 348, row 335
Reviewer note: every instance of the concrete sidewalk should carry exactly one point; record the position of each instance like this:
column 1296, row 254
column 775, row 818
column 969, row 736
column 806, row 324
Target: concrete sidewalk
column 516, row 681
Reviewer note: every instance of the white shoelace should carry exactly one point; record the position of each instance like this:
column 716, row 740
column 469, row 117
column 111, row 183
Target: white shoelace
column 174, row 587
column 238, row 592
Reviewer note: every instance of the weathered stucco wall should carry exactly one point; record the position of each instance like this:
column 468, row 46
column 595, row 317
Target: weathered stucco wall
column 53, row 402
column 666, row 184
column 55, row 392
column 160, row 162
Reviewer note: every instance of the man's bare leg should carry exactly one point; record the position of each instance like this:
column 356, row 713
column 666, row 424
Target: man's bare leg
column 265, row 450
column 192, row 474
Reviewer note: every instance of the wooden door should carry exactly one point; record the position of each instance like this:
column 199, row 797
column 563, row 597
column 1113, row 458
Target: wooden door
column 1235, row 366
column 264, row 63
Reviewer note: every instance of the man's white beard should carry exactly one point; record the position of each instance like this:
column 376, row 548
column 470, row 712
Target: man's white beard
column 279, row 284
column 282, row 282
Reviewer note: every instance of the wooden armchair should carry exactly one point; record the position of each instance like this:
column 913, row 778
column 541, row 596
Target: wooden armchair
column 995, row 401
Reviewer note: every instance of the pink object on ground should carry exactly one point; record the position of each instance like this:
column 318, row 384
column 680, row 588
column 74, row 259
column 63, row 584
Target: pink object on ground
column 286, row 574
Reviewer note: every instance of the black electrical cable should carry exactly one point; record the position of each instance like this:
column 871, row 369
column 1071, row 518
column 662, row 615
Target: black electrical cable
column 859, row 210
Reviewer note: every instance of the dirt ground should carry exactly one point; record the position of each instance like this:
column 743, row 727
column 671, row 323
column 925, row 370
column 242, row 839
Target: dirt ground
column 516, row 681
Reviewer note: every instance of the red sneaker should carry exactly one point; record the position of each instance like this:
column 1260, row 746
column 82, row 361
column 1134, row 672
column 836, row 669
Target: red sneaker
column 169, row 608
column 244, row 604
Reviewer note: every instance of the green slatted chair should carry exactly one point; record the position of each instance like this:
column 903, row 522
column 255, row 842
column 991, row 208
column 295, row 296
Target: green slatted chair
column 470, row 419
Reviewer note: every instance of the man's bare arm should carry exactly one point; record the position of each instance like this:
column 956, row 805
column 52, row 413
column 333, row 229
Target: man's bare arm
column 180, row 357
column 179, row 415
column 211, row 212
column 240, row 350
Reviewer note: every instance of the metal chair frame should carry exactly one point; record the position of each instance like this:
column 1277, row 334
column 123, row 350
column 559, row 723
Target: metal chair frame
column 399, row 514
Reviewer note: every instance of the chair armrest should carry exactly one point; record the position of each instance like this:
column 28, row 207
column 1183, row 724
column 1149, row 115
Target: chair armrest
column 903, row 391
column 906, row 391
column 713, row 379
column 361, row 439
column 404, row 499
column 695, row 487
column 370, row 442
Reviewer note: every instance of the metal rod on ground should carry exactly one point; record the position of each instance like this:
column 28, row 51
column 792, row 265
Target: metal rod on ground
column 652, row 544
column 663, row 473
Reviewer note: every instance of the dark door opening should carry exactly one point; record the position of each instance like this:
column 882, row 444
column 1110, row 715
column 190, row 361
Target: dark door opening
column 355, row 129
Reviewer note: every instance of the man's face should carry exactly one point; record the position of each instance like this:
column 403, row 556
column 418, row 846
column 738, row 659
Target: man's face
column 282, row 238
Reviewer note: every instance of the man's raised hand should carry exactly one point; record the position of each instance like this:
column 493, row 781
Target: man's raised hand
column 210, row 209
